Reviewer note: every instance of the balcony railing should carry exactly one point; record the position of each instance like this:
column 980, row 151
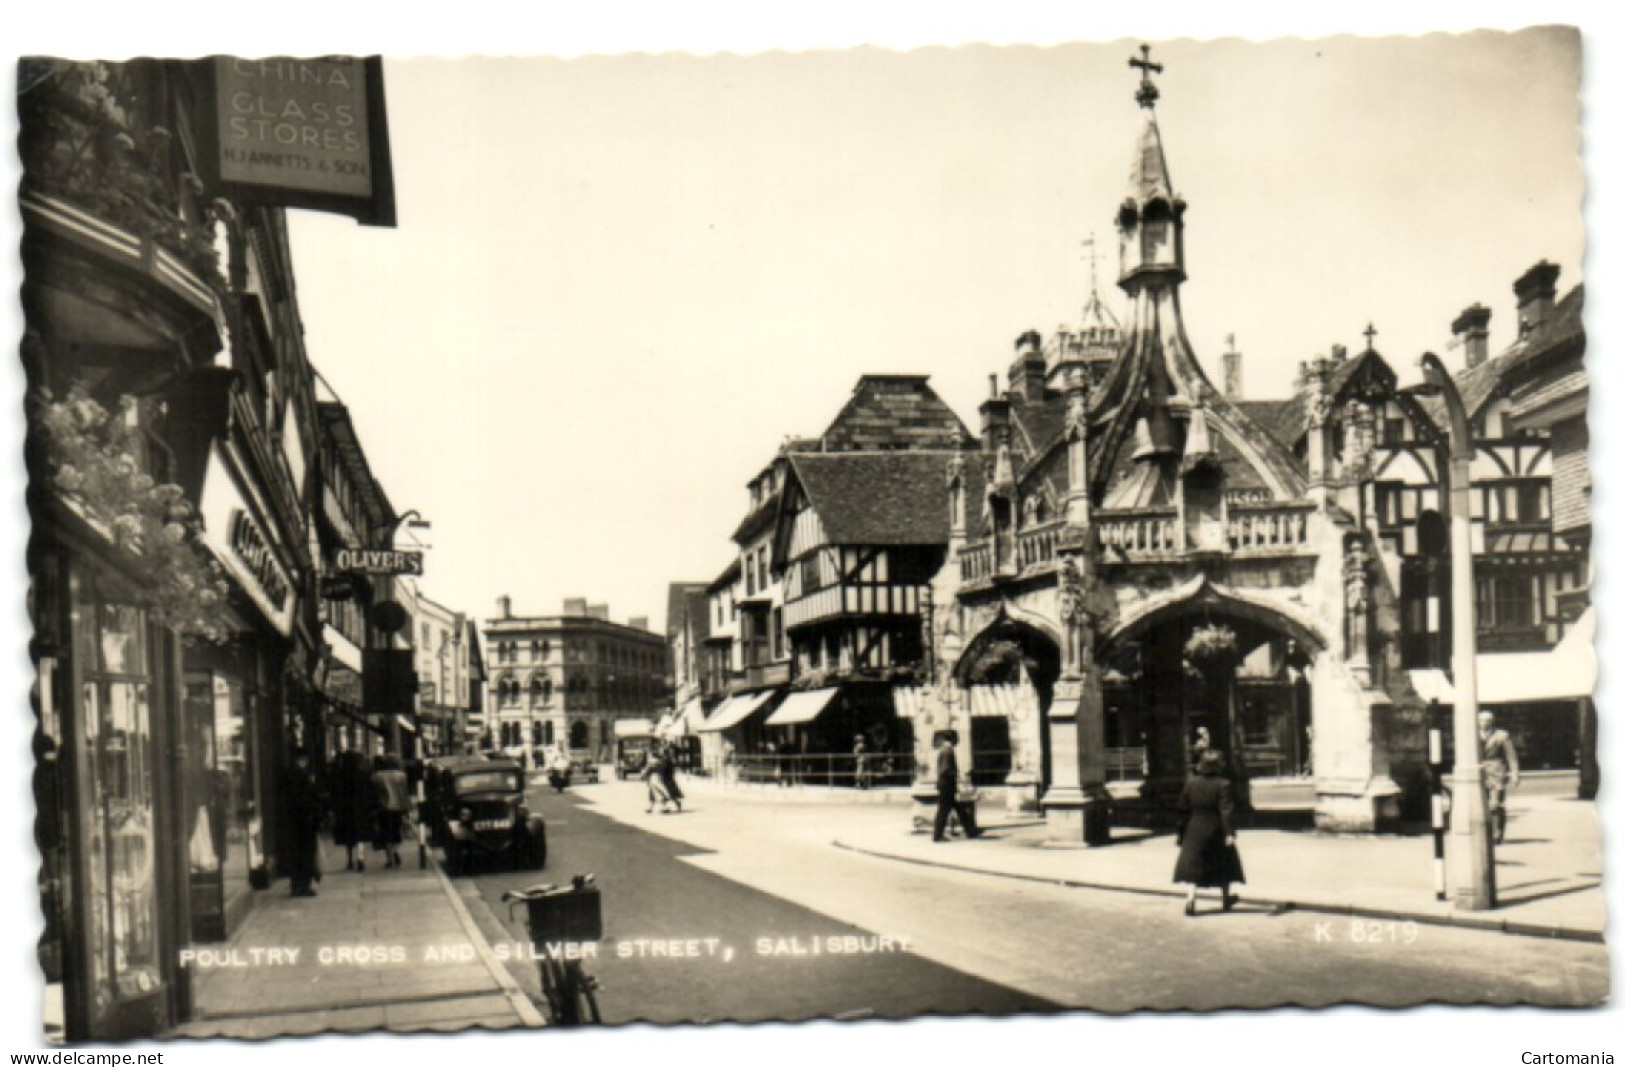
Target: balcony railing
column 1270, row 528
column 1146, row 533
column 1035, row 545
column 94, row 137
column 976, row 561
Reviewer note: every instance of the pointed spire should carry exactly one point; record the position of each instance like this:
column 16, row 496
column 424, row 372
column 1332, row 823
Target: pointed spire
column 1148, row 170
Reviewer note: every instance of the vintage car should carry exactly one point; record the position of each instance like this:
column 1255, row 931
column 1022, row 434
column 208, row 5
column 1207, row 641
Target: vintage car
column 475, row 811
column 583, row 770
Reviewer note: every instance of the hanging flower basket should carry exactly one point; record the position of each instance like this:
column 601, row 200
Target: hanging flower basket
column 1210, row 644
column 92, row 465
column 998, row 663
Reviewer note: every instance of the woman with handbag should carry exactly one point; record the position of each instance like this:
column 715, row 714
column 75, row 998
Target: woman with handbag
column 1207, row 833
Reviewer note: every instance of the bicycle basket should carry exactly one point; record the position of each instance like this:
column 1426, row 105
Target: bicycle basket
column 577, row 916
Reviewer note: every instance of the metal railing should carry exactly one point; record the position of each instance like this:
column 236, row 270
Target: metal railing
column 830, row 769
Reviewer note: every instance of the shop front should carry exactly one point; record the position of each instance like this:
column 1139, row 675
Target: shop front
column 107, row 700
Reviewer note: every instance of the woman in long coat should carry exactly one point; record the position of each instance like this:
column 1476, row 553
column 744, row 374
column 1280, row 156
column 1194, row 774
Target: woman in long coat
column 352, row 807
column 1207, row 833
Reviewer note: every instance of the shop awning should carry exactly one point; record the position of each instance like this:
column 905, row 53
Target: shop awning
column 1431, row 683
column 802, row 707
column 1565, row 672
column 905, row 700
column 736, row 710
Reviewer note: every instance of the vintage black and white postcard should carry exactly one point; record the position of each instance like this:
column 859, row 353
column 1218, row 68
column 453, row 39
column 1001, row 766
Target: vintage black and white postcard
column 523, row 542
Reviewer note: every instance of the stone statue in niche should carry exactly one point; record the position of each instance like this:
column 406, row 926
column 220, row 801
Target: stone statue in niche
column 1074, row 614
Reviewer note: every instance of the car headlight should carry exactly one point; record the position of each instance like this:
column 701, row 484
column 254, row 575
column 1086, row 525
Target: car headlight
column 466, row 815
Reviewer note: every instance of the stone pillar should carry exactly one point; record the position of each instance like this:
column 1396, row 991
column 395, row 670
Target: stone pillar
column 1318, row 456
column 1076, row 806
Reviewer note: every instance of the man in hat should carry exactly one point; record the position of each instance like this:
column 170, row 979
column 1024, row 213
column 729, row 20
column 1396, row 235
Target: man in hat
column 1500, row 770
column 948, row 802
column 304, row 808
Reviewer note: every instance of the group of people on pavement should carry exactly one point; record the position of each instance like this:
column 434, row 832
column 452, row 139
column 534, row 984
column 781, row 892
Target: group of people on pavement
column 660, row 777
column 362, row 802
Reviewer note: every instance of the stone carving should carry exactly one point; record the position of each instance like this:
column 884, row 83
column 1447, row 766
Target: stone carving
column 1074, row 612
column 1356, row 438
column 1356, row 562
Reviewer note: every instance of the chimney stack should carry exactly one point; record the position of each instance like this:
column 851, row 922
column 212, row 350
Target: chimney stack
column 638, row 622
column 575, row 605
column 1027, row 371
column 1536, row 292
column 1232, row 370
column 505, row 606
column 1340, row 353
column 599, row 612
column 1472, row 329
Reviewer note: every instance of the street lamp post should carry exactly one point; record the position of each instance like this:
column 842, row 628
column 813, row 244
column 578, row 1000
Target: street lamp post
column 1469, row 854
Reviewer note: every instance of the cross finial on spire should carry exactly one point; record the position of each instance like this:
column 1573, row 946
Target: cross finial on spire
column 1370, row 336
column 1089, row 244
column 1147, row 96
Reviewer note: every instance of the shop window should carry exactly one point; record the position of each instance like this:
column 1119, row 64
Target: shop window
column 116, row 785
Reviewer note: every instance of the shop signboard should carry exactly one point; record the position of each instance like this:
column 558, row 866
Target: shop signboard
column 304, row 132
column 378, row 561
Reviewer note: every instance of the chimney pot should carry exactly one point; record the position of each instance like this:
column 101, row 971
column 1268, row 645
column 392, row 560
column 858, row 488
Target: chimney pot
column 1472, row 328
column 1536, row 290
column 505, row 606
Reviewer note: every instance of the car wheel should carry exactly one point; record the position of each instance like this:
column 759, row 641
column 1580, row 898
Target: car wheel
column 455, row 862
column 538, row 849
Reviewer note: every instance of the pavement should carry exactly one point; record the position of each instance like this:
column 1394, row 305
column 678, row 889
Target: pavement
column 1060, row 941
column 385, row 949
column 1548, row 872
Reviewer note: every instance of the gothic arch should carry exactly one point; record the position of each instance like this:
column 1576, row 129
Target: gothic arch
column 1010, row 619
column 1199, row 594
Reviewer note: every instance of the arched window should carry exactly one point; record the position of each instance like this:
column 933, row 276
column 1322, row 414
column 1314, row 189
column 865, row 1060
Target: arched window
column 578, row 734
column 547, row 734
column 536, row 686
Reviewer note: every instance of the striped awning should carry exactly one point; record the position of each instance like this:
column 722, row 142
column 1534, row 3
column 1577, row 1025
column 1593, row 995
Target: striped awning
column 905, row 701
column 736, row 710
column 996, row 700
column 802, row 707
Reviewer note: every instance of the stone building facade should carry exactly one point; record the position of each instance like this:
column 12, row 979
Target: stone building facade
column 1142, row 565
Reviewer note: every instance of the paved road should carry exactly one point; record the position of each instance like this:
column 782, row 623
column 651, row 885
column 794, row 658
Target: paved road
column 683, row 944
column 743, row 871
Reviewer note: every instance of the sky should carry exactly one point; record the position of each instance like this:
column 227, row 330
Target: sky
column 618, row 283
column 715, row 332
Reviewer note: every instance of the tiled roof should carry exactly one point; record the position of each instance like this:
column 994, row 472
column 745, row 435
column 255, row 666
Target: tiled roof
column 1039, row 422
column 880, row 498
column 759, row 519
column 730, row 574
column 1479, row 384
column 677, row 594
column 1563, row 387
column 1281, row 419
column 893, row 411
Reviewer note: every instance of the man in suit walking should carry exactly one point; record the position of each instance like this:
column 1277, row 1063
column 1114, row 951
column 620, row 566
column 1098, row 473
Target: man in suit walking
column 948, row 790
column 1500, row 771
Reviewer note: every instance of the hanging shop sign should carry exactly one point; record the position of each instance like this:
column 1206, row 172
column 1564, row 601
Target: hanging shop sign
column 377, row 561
column 308, row 133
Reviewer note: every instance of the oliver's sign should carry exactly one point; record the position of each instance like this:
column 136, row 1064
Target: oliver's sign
column 377, row 561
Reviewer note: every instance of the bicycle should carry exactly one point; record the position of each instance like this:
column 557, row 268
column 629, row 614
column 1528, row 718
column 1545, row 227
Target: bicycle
column 560, row 915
